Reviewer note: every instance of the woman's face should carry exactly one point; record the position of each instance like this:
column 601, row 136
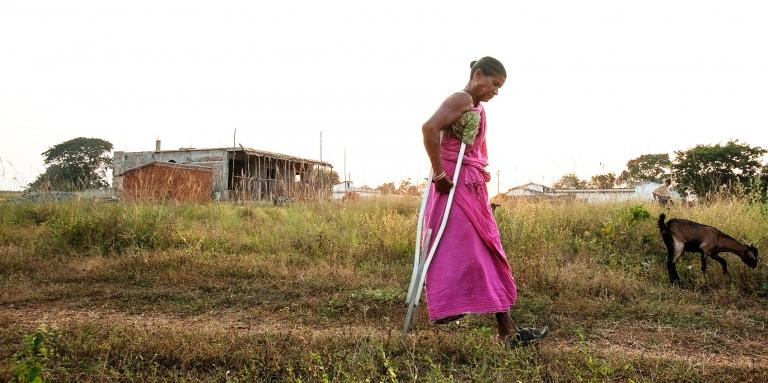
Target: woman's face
column 487, row 86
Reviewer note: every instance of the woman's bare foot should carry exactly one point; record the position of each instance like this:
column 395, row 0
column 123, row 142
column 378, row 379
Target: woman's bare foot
column 504, row 324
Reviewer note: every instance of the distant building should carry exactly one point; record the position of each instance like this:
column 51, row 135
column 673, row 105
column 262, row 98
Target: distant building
column 645, row 190
column 639, row 192
column 529, row 190
column 347, row 188
column 600, row 195
column 239, row 173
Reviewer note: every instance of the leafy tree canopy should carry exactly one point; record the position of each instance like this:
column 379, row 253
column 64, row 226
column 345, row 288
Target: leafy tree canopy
column 603, row 181
column 329, row 176
column 407, row 188
column 387, row 188
column 570, row 181
column 646, row 168
column 77, row 164
column 705, row 169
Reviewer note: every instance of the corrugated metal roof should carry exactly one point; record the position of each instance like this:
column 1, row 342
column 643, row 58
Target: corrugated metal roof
column 281, row 156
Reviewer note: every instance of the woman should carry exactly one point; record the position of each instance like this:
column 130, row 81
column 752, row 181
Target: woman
column 662, row 194
column 469, row 271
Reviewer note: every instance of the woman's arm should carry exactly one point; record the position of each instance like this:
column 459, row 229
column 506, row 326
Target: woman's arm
column 451, row 109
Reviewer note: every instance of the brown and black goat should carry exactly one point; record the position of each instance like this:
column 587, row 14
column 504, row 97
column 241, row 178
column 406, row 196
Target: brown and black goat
column 683, row 235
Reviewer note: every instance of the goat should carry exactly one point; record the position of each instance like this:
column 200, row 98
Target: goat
column 683, row 235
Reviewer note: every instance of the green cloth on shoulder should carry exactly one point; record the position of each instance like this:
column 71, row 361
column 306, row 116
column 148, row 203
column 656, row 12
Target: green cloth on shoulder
column 465, row 128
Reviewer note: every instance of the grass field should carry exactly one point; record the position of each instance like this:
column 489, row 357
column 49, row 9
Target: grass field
column 8, row 195
column 94, row 292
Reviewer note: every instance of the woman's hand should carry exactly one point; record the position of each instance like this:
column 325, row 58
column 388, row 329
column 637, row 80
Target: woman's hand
column 443, row 185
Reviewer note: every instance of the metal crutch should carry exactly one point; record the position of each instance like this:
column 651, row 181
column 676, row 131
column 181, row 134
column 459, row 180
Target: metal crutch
column 421, row 263
column 417, row 254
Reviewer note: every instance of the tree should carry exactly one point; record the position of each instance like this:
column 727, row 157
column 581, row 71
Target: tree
column 603, row 181
column 570, row 181
column 329, row 177
column 762, row 192
column 387, row 188
column 334, row 177
column 407, row 188
column 646, row 168
column 77, row 164
column 706, row 169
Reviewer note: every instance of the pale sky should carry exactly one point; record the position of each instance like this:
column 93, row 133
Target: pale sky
column 592, row 84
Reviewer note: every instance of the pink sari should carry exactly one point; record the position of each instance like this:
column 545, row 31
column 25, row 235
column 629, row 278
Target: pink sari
column 469, row 272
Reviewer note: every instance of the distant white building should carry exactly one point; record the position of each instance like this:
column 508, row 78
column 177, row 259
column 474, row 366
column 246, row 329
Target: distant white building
column 601, row 195
column 641, row 192
column 530, row 190
column 343, row 188
column 646, row 191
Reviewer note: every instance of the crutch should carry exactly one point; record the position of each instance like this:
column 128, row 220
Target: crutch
column 418, row 254
column 423, row 257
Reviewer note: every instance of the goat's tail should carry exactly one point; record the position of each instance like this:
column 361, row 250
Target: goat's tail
column 663, row 226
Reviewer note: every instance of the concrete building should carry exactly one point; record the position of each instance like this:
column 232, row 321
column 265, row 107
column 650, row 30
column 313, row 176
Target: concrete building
column 240, row 173
column 529, row 190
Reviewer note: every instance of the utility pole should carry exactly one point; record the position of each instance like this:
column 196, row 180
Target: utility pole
column 234, row 138
column 321, row 146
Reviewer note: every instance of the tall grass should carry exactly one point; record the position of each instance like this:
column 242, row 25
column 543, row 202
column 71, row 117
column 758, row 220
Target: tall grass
column 311, row 229
column 8, row 195
column 314, row 292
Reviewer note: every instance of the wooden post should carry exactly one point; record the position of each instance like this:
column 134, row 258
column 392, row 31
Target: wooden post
column 258, row 177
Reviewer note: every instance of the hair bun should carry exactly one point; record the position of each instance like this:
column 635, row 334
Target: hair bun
column 472, row 64
column 489, row 67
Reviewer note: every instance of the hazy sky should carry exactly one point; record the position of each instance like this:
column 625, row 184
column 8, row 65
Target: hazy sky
column 592, row 84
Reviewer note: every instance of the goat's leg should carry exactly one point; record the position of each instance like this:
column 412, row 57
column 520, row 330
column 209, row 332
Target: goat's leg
column 672, row 271
column 722, row 262
column 703, row 263
column 671, row 259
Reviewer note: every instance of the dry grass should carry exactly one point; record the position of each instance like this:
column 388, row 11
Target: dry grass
column 8, row 195
column 315, row 291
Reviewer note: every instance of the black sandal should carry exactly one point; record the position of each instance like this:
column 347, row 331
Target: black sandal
column 527, row 335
